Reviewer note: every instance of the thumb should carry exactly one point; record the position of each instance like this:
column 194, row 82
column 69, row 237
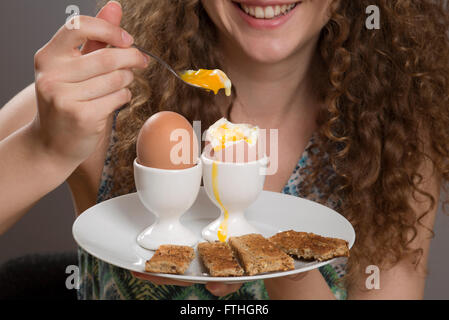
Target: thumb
column 112, row 13
column 222, row 289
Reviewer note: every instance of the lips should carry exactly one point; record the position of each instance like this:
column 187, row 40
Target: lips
column 265, row 15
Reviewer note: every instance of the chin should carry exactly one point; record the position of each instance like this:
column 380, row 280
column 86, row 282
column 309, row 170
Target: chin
column 269, row 51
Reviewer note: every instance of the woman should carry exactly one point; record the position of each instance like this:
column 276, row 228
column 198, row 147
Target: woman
column 364, row 111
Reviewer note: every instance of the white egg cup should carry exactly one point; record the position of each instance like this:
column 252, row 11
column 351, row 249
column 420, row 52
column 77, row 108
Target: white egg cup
column 168, row 194
column 238, row 185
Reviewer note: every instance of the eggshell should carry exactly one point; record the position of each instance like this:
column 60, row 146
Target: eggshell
column 239, row 152
column 167, row 141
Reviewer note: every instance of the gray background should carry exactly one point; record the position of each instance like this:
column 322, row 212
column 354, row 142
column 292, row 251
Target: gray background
column 26, row 25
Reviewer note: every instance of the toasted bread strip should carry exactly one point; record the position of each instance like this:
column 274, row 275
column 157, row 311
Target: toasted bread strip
column 170, row 259
column 258, row 255
column 310, row 246
column 219, row 259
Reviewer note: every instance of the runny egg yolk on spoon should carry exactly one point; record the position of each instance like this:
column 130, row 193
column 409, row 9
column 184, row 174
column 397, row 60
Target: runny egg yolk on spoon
column 213, row 80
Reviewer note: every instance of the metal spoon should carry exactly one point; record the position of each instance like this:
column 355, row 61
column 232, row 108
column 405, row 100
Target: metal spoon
column 166, row 65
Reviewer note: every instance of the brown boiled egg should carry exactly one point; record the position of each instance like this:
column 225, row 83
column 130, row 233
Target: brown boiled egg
column 167, row 141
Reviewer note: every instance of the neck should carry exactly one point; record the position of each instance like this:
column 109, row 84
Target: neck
column 270, row 93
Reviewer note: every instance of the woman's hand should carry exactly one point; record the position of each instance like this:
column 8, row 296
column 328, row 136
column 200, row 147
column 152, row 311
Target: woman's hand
column 302, row 286
column 216, row 288
column 78, row 90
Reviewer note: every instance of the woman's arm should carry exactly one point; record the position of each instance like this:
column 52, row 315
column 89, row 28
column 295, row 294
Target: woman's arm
column 18, row 112
column 28, row 172
column 75, row 94
column 404, row 281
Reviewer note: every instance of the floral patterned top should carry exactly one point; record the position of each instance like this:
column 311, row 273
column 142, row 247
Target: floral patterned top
column 100, row 280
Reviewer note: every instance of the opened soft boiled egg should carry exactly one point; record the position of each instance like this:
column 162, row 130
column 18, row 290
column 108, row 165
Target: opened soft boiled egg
column 167, row 141
column 229, row 142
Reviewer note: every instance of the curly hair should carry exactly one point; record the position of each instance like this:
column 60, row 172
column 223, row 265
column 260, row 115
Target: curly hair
column 386, row 94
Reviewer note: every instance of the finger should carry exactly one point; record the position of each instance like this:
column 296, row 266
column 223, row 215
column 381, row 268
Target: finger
column 101, row 86
column 104, row 61
column 222, row 289
column 66, row 40
column 102, row 107
column 112, row 13
column 160, row 280
column 297, row 277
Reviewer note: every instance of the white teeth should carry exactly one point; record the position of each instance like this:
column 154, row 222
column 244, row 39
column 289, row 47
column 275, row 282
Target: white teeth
column 277, row 10
column 260, row 14
column 267, row 12
column 252, row 11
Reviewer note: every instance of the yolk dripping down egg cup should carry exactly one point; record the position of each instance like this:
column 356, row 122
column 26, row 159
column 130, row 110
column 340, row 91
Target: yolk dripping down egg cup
column 168, row 194
column 232, row 187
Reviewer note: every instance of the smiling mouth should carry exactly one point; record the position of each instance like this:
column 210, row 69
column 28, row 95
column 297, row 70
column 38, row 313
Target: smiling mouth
column 267, row 12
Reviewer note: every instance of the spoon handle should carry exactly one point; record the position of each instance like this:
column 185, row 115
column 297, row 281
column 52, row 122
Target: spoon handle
column 166, row 65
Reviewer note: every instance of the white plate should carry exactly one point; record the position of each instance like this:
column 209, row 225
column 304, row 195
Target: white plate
column 108, row 230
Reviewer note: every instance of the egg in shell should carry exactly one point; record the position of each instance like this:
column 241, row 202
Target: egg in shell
column 167, row 141
column 229, row 142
